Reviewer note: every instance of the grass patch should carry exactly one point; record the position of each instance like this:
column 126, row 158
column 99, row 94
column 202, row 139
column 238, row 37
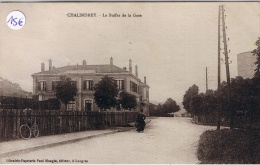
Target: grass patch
column 229, row 147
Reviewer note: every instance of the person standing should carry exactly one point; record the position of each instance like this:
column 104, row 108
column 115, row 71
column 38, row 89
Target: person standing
column 140, row 121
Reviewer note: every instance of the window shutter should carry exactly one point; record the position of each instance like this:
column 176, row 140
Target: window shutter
column 44, row 86
column 91, row 85
column 39, row 86
column 123, row 84
column 53, row 85
column 84, row 85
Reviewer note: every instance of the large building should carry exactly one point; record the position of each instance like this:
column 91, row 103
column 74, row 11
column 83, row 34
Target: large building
column 245, row 64
column 85, row 77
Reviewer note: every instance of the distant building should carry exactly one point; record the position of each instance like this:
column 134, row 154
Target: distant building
column 245, row 64
column 85, row 77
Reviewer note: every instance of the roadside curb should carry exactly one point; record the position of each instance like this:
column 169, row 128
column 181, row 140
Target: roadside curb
column 21, row 151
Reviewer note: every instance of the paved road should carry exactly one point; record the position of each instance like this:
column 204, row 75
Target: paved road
column 165, row 140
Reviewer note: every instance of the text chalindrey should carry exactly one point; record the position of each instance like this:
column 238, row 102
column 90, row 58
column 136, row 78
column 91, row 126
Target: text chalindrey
column 82, row 14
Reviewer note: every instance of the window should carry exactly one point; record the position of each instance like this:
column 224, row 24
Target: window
column 88, row 105
column 133, row 87
column 71, row 106
column 88, row 85
column 54, row 85
column 74, row 83
column 140, row 90
column 42, row 86
column 41, row 97
column 120, row 84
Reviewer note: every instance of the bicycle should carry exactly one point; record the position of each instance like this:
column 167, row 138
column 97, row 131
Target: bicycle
column 28, row 129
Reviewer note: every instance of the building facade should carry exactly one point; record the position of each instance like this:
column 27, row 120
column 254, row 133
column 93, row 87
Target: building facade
column 245, row 64
column 85, row 77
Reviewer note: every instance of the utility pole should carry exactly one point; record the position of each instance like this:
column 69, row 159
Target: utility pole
column 219, row 48
column 219, row 69
column 207, row 80
column 225, row 46
column 227, row 65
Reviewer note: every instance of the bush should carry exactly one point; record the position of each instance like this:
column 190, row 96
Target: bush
column 229, row 146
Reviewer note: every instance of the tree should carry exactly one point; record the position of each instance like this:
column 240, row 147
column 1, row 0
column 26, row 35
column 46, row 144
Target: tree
column 152, row 109
column 164, row 109
column 127, row 100
column 66, row 90
column 53, row 104
column 256, row 52
column 187, row 98
column 197, row 104
column 170, row 106
column 106, row 92
column 244, row 99
column 159, row 109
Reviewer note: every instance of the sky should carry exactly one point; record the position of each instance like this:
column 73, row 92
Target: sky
column 172, row 42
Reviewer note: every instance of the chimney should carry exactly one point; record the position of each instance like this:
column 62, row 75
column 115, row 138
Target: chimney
column 50, row 64
column 111, row 61
column 97, row 70
column 144, row 79
column 42, row 67
column 136, row 71
column 84, row 63
column 130, row 66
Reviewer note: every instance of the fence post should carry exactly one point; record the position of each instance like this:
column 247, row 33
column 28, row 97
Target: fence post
column 1, row 125
column 10, row 131
column 4, row 124
column 14, row 125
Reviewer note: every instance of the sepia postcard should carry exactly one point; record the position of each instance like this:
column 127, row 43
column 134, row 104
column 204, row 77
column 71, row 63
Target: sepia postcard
column 108, row 82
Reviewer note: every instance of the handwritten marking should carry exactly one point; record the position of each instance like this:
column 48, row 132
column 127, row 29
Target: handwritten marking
column 15, row 20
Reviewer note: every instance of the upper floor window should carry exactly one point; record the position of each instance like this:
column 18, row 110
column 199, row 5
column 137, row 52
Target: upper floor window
column 88, row 85
column 140, row 90
column 42, row 86
column 120, row 84
column 54, row 85
column 74, row 83
column 133, row 87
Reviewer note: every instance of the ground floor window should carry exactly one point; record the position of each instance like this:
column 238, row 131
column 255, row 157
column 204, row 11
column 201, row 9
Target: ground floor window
column 41, row 97
column 88, row 105
column 71, row 106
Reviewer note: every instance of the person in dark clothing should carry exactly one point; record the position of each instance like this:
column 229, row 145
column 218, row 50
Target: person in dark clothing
column 140, row 121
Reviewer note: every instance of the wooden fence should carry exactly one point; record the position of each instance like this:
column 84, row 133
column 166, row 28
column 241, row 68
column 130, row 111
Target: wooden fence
column 58, row 122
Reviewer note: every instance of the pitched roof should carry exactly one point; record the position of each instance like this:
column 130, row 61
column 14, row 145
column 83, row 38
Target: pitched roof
column 84, row 69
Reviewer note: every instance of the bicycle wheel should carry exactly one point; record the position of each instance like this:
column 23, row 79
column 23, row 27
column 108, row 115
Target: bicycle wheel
column 35, row 130
column 25, row 132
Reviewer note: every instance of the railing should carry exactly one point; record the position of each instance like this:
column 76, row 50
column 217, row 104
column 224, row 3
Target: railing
column 59, row 122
